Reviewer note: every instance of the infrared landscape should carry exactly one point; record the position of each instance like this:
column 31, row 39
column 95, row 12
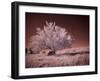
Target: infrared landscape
column 56, row 40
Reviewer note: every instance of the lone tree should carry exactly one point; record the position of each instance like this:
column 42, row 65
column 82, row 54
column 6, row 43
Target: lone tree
column 51, row 37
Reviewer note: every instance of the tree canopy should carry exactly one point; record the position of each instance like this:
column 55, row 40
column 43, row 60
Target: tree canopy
column 51, row 36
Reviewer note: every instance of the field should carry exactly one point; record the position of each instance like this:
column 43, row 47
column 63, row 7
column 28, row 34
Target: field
column 65, row 57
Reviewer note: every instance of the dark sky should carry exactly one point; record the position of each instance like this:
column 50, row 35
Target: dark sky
column 77, row 25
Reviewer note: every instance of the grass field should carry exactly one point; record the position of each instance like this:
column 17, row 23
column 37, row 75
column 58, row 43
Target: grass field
column 65, row 57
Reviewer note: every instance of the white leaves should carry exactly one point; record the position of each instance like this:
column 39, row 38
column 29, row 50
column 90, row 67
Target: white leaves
column 51, row 36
